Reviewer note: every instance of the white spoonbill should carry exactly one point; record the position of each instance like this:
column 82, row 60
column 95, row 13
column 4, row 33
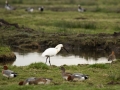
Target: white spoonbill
column 52, row 51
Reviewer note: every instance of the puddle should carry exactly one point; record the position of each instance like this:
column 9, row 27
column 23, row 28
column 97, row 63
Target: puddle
column 58, row 60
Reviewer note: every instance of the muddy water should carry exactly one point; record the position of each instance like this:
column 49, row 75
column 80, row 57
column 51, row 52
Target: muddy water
column 58, row 60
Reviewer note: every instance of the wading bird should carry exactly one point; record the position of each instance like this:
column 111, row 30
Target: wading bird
column 111, row 56
column 52, row 51
column 72, row 77
column 8, row 73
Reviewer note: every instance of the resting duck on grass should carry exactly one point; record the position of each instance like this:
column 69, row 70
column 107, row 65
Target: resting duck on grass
column 8, row 73
column 28, row 81
column 35, row 81
column 73, row 77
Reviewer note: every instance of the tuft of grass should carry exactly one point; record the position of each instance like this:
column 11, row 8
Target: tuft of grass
column 4, row 50
column 39, row 65
column 114, row 76
column 101, row 66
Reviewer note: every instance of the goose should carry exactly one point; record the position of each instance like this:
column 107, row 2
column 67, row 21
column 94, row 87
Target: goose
column 8, row 7
column 73, row 77
column 8, row 73
column 35, row 81
column 80, row 9
column 52, row 52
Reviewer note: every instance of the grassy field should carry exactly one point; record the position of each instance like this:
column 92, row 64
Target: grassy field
column 61, row 16
column 101, row 77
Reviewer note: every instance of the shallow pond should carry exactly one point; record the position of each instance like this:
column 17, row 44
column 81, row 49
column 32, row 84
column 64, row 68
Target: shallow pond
column 58, row 60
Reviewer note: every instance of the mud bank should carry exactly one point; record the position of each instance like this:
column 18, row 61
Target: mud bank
column 26, row 38
column 7, row 57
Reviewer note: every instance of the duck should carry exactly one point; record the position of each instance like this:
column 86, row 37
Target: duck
column 80, row 9
column 112, row 56
column 41, row 8
column 79, row 77
column 28, row 81
column 35, row 81
column 29, row 9
column 43, row 81
column 73, row 76
column 8, row 7
column 8, row 73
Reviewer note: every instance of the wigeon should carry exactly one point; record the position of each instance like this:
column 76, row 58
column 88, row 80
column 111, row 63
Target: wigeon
column 73, row 77
column 35, row 81
column 28, row 81
column 8, row 73
column 65, row 75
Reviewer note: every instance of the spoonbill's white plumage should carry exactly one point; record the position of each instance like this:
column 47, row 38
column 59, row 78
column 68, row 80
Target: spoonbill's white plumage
column 52, row 51
column 73, row 77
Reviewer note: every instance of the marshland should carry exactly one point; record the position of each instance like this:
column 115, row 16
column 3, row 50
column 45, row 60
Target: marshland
column 91, row 34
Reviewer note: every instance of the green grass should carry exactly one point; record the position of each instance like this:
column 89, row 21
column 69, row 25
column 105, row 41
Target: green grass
column 61, row 16
column 102, row 66
column 4, row 50
column 98, row 18
column 98, row 77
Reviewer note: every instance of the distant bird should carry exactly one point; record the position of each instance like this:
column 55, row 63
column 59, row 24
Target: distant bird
column 30, row 9
column 8, row 73
column 41, row 9
column 52, row 51
column 73, row 77
column 80, row 9
column 112, row 56
column 8, row 7
column 35, row 81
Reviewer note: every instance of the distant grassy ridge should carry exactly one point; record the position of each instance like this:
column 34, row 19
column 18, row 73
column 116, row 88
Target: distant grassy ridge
column 62, row 16
column 70, row 22
column 6, row 55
